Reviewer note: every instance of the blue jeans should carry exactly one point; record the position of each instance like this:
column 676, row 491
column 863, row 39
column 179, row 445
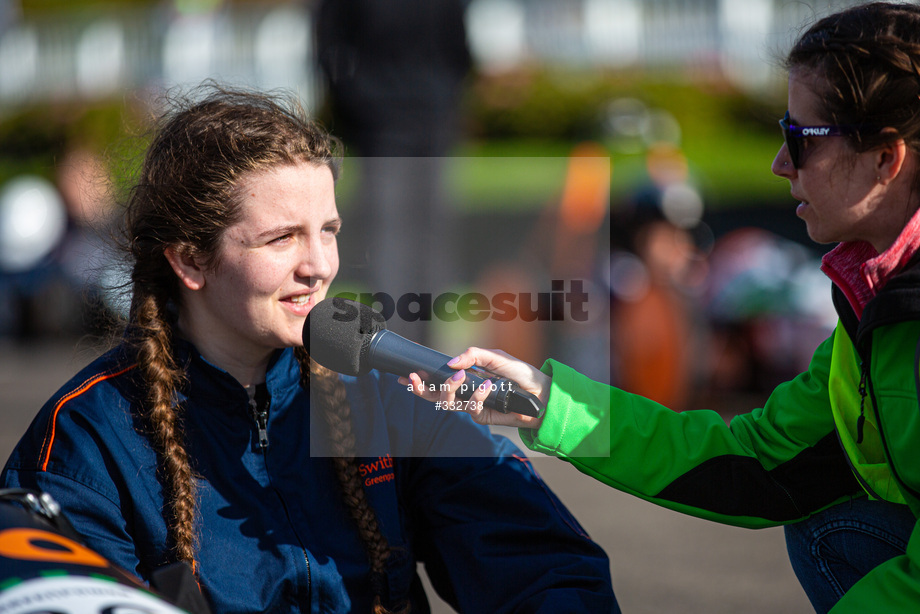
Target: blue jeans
column 833, row 549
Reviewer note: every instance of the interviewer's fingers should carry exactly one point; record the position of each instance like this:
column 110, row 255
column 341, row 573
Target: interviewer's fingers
column 448, row 398
column 502, row 364
column 476, row 407
column 416, row 386
column 443, row 393
column 444, row 398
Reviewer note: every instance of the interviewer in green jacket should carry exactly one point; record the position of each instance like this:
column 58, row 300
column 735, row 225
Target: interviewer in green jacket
column 834, row 454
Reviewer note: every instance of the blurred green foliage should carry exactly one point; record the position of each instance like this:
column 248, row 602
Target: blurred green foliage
column 35, row 139
column 728, row 136
column 32, row 8
column 531, row 120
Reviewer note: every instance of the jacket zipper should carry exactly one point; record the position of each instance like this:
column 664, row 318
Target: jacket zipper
column 260, row 416
column 259, row 411
column 860, row 425
column 861, row 421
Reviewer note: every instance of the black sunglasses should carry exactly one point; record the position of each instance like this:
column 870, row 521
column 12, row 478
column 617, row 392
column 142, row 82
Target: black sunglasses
column 795, row 135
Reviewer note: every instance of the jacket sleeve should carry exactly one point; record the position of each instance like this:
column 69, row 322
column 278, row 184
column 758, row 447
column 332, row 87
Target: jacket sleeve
column 96, row 518
column 773, row 465
column 494, row 538
column 893, row 587
column 77, row 467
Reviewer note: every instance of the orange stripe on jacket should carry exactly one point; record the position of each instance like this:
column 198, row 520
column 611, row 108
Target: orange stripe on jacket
column 84, row 387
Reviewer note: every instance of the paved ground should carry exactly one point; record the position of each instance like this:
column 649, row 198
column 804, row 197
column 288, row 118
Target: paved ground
column 661, row 561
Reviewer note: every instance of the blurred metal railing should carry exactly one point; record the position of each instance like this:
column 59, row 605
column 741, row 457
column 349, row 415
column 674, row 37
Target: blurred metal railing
column 86, row 56
column 89, row 55
column 741, row 39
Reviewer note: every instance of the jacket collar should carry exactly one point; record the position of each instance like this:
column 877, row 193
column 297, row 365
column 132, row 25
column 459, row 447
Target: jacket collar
column 860, row 271
column 212, row 382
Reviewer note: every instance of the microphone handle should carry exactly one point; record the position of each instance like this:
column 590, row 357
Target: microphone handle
column 392, row 353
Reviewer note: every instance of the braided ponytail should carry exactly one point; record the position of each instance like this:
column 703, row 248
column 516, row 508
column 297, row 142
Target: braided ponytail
column 337, row 414
column 153, row 340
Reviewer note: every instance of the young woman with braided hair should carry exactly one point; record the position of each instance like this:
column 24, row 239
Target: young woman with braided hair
column 196, row 440
column 834, row 454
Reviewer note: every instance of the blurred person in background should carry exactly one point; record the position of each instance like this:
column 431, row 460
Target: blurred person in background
column 567, row 244
column 92, row 275
column 209, row 437
column 768, row 308
column 33, row 222
column 656, row 271
column 59, row 271
column 833, row 454
column 396, row 72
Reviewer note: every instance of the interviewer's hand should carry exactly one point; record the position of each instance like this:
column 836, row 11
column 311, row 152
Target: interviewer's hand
column 496, row 362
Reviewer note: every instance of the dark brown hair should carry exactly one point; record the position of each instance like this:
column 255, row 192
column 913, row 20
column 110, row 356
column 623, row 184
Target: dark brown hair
column 186, row 196
column 868, row 59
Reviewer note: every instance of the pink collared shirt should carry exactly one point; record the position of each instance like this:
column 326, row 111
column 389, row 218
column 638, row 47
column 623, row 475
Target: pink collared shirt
column 857, row 269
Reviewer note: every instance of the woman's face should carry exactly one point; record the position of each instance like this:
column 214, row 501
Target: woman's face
column 836, row 187
column 273, row 265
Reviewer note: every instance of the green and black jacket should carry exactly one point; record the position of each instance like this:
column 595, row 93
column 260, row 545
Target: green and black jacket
column 849, row 426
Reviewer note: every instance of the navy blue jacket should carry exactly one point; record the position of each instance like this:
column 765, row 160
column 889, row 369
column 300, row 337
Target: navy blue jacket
column 273, row 532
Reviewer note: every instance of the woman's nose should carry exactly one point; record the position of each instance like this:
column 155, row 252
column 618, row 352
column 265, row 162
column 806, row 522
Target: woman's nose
column 782, row 163
column 314, row 261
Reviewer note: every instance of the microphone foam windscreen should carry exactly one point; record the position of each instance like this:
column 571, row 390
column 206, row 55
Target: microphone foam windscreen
column 337, row 334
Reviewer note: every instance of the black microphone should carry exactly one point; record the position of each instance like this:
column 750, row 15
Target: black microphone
column 352, row 338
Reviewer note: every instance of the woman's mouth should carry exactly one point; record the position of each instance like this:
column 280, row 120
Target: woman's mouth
column 300, row 304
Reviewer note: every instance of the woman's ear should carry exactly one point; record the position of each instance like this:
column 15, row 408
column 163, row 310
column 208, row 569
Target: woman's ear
column 889, row 160
column 185, row 266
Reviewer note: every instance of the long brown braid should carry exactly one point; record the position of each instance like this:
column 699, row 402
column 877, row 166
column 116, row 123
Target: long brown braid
column 155, row 358
column 186, row 196
column 336, row 411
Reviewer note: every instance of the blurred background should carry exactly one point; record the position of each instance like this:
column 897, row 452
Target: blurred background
column 493, row 146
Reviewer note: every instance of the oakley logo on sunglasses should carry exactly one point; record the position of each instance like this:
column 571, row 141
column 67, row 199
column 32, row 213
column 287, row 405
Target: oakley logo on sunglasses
column 794, row 136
